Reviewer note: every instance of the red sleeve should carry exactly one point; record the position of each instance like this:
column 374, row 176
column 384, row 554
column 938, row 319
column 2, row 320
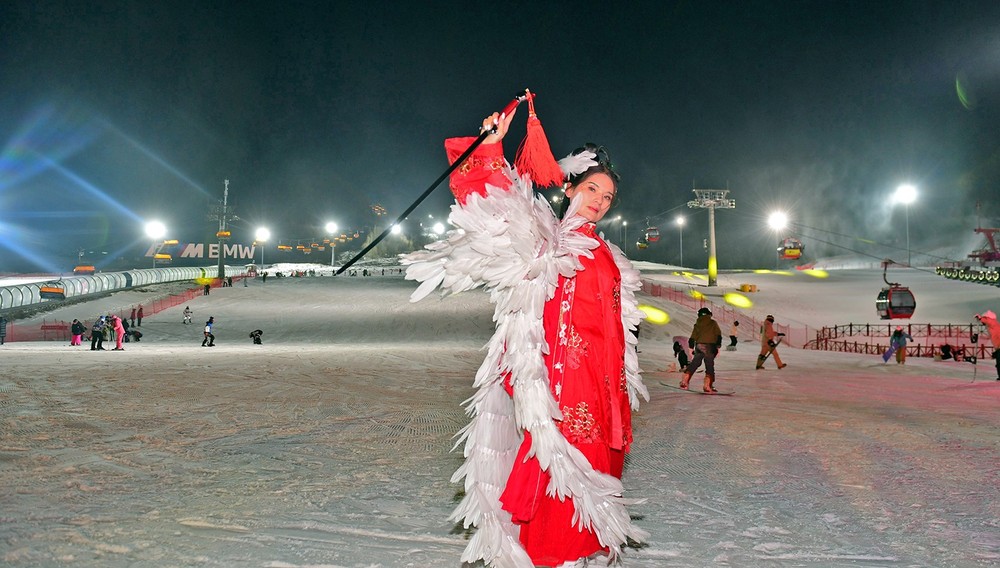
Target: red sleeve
column 484, row 166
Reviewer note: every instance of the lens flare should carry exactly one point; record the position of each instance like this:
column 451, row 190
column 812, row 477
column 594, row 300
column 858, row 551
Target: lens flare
column 655, row 315
column 965, row 94
column 737, row 300
column 696, row 295
column 816, row 273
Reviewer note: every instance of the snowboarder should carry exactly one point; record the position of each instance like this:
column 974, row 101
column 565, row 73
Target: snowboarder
column 769, row 343
column 255, row 335
column 897, row 346
column 945, row 352
column 209, row 340
column 187, row 314
column 706, row 339
column 989, row 319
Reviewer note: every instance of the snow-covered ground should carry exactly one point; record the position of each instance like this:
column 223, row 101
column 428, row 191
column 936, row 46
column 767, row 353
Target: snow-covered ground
column 328, row 445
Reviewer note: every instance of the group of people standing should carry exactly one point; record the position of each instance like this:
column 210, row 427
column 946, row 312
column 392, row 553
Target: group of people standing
column 108, row 327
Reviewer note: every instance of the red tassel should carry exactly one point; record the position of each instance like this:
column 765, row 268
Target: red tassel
column 534, row 157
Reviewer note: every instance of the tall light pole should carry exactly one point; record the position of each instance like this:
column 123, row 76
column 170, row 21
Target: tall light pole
column 777, row 221
column 155, row 230
column 224, row 213
column 331, row 229
column 712, row 199
column 680, row 226
column 906, row 194
column 625, row 236
column 262, row 235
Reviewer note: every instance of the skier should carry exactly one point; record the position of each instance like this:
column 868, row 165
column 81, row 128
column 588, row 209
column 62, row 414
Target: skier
column 989, row 319
column 209, row 340
column 768, row 344
column 706, row 339
column 187, row 314
column 255, row 335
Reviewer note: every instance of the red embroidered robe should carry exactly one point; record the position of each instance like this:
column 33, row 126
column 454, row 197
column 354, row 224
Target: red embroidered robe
column 585, row 363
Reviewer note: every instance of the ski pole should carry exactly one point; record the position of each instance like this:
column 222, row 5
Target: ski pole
column 518, row 99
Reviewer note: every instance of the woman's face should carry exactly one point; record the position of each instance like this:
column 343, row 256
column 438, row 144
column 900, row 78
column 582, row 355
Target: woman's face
column 598, row 192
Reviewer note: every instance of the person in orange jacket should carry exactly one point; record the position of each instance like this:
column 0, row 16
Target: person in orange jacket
column 769, row 343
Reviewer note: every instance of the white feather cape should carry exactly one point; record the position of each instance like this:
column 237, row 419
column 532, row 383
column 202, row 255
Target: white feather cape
column 512, row 244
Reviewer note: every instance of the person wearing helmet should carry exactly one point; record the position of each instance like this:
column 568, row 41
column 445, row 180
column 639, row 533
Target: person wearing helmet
column 769, row 343
column 706, row 339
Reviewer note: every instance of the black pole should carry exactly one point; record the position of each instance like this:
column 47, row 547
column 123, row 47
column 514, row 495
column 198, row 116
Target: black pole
column 415, row 204
column 475, row 144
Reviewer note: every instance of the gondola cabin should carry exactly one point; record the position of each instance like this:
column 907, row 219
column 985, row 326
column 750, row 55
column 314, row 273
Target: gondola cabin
column 791, row 249
column 652, row 234
column 895, row 302
column 52, row 291
column 641, row 245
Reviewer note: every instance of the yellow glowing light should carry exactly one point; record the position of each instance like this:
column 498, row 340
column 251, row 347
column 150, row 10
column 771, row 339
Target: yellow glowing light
column 655, row 315
column 738, row 300
column 696, row 295
column 816, row 272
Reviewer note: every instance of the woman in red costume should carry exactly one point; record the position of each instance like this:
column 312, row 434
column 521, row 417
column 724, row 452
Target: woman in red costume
column 551, row 420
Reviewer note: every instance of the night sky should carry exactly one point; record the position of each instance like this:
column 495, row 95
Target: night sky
column 113, row 113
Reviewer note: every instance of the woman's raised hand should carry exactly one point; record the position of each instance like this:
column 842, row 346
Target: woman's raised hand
column 502, row 123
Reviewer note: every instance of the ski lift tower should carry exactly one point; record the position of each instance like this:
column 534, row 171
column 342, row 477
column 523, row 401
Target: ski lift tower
column 224, row 213
column 712, row 199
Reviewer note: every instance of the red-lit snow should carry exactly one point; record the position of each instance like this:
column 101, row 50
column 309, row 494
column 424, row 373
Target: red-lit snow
column 328, row 445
